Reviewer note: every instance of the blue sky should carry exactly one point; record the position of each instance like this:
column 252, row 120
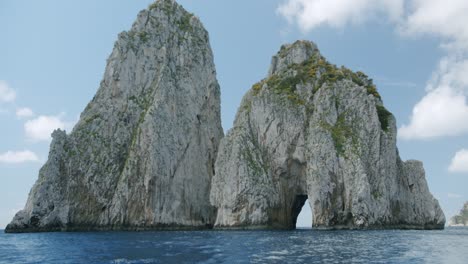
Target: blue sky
column 53, row 54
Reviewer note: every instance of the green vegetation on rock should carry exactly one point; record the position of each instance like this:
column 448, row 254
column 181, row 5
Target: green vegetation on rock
column 286, row 86
column 165, row 6
column 340, row 133
column 257, row 87
column 169, row 9
column 143, row 36
column 153, row 6
column 90, row 119
column 376, row 194
column 316, row 71
column 384, row 116
column 184, row 22
column 253, row 162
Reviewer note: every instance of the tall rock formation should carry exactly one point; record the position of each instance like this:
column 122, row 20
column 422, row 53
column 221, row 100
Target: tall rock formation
column 312, row 130
column 142, row 154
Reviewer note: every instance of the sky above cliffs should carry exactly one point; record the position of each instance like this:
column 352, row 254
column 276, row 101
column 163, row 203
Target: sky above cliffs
column 53, row 55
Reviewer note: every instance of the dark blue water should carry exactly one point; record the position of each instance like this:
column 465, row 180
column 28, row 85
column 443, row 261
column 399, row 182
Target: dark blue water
column 300, row 246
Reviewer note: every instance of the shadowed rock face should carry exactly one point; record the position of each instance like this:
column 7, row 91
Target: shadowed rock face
column 313, row 130
column 142, row 155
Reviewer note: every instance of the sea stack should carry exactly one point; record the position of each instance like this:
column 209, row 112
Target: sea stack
column 311, row 130
column 148, row 152
column 142, row 154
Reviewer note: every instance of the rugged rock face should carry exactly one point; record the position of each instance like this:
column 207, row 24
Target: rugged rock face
column 312, row 130
column 142, row 155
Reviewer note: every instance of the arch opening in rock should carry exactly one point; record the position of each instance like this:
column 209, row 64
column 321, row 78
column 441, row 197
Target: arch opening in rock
column 301, row 215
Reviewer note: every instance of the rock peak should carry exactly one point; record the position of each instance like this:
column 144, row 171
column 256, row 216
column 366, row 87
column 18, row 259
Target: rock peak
column 295, row 53
column 141, row 156
column 313, row 131
column 167, row 7
column 162, row 4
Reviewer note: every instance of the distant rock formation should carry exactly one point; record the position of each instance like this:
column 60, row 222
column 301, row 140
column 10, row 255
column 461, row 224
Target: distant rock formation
column 462, row 218
column 313, row 130
column 142, row 155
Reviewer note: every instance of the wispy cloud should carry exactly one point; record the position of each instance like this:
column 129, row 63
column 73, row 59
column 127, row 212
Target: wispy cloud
column 7, row 94
column 15, row 157
column 310, row 14
column 24, row 112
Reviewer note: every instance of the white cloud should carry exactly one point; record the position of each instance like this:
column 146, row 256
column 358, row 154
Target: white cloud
column 459, row 162
column 41, row 128
column 18, row 157
column 444, row 18
column 7, row 94
column 443, row 111
column 309, row 14
column 24, row 113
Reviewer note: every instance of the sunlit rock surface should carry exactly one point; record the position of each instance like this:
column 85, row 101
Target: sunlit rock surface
column 313, row 130
column 142, row 154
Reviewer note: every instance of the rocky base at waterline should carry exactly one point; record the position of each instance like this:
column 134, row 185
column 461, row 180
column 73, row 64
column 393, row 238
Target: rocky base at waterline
column 90, row 228
column 148, row 152
column 311, row 130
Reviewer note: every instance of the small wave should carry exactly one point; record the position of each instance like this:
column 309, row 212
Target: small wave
column 127, row 261
column 274, row 258
column 281, row 252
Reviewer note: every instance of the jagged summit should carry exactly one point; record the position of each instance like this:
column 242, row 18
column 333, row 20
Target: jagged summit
column 296, row 53
column 175, row 13
column 298, row 71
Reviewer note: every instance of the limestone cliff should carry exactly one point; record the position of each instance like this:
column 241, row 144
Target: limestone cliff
column 142, row 154
column 312, row 130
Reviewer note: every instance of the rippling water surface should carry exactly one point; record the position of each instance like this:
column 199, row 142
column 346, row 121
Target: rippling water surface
column 300, row 246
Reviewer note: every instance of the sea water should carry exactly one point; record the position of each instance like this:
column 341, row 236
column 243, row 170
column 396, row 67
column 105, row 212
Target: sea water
column 298, row 246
